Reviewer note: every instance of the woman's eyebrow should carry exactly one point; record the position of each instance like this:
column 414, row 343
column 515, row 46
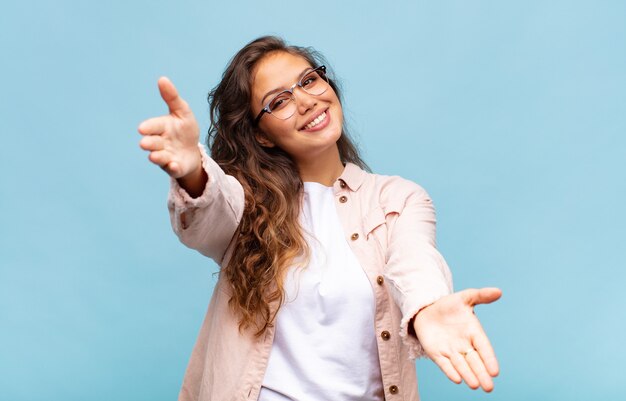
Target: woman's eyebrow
column 282, row 89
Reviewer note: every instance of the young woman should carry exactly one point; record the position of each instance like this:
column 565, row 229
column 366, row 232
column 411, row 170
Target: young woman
column 330, row 283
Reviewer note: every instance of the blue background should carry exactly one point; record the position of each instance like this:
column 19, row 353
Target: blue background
column 511, row 114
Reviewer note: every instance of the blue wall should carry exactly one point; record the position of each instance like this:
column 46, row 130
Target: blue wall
column 511, row 114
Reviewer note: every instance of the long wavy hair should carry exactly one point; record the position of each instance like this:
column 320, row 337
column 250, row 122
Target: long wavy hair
column 270, row 239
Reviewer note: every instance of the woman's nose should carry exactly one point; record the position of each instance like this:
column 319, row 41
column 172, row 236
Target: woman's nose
column 304, row 100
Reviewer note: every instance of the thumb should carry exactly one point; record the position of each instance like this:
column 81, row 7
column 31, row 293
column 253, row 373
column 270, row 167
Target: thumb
column 174, row 102
column 487, row 295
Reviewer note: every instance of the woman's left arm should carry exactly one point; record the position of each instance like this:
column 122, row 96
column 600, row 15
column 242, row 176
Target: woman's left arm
column 446, row 328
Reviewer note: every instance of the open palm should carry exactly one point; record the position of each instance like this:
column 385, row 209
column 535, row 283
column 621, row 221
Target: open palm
column 454, row 339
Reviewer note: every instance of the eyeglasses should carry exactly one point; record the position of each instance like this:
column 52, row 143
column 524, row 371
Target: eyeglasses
column 283, row 105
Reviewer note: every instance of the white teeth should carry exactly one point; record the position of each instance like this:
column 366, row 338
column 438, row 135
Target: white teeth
column 318, row 120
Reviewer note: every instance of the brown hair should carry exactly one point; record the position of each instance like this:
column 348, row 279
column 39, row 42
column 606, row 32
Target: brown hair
column 270, row 237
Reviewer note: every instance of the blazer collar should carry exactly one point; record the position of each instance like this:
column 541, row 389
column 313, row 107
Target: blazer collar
column 353, row 176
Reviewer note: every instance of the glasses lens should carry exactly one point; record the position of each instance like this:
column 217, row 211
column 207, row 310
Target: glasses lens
column 283, row 105
column 315, row 82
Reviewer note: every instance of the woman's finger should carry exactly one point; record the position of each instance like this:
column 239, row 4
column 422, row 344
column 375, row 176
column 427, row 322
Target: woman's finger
column 485, row 350
column 446, row 367
column 173, row 169
column 461, row 366
column 474, row 296
column 175, row 103
column 164, row 160
column 160, row 157
column 151, row 143
column 476, row 364
column 153, row 126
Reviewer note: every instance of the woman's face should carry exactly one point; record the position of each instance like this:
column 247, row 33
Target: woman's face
column 279, row 71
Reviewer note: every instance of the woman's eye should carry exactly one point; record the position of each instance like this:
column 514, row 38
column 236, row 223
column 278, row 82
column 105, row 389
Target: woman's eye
column 279, row 102
column 308, row 81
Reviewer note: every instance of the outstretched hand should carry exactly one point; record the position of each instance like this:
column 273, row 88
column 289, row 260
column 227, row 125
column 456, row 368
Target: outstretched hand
column 454, row 339
column 172, row 139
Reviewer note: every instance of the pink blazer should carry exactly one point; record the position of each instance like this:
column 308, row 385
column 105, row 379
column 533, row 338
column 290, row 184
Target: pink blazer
column 389, row 223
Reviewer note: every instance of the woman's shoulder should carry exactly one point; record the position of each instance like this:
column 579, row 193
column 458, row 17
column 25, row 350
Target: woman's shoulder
column 395, row 186
column 389, row 192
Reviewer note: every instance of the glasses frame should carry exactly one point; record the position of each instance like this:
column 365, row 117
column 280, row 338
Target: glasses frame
column 267, row 109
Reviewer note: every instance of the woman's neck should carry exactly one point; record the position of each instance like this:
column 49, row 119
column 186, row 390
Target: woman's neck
column 324, row 168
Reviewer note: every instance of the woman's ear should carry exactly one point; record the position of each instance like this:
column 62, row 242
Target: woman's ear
column 263, row 140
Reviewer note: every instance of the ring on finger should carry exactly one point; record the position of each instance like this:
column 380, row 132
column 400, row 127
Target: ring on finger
column 468, row 351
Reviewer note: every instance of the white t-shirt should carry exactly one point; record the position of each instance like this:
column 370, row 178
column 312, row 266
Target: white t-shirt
column 324, row 346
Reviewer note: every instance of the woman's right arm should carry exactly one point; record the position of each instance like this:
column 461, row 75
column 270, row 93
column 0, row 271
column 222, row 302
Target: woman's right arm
column 205, row 204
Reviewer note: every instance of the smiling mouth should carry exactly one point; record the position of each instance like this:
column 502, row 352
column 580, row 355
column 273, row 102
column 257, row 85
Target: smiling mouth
column 317, row 120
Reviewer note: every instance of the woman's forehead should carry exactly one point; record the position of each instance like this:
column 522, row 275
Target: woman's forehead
column 277, row 70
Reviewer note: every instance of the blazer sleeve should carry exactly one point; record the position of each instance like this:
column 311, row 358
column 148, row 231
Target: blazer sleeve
column 207, row 223
column 418, row 273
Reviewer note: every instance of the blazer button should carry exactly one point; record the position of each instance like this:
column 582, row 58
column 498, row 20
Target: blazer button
column 343, row 199
column 393, row 389
column 342, row 183
column 380, row 280
column 385, row 335
column 354, row 237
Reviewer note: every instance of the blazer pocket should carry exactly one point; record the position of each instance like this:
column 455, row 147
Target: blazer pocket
column 372, row 220
column 377, row 222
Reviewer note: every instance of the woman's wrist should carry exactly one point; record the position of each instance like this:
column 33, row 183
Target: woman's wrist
column 194, row 182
